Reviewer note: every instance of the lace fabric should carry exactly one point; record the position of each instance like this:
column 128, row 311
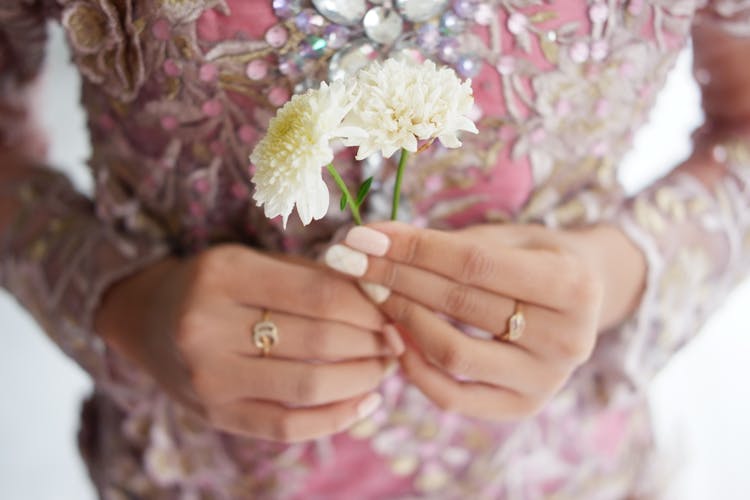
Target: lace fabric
column 178, row 92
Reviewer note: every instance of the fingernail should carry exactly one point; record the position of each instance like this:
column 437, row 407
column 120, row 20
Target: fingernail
column 390, row 369
column 377, row 293
column 368, row 405
column 368, row 240
column 393, row 339
column 346, row 260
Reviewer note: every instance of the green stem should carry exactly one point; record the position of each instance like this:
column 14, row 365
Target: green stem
column 397, row 186
column 349, row 200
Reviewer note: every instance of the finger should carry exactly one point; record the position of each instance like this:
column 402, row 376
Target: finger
column 472, row 399
column 232, row 377
column 304, row 290
column 537, row 276
column 489, row 361
column 267, row 420
column 230, row 329
column 548, row 334
column 471, row 305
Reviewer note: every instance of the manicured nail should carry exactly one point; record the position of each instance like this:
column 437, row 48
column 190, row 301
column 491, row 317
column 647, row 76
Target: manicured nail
column 346, row 260
column 393, row 339
column 377, row 293
column 368, row 405
column 368, row 240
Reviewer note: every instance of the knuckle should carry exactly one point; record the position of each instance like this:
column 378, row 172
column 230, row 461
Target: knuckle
column 453, row 360
column 414, row 242
column 401, row 310
column 478, row 263
column 390, row 274
column 209, row 266
column 460, row 301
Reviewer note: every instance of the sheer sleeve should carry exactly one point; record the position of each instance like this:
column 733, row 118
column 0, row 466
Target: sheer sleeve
column 57, row 258
column 693, row 225
column 696, row 241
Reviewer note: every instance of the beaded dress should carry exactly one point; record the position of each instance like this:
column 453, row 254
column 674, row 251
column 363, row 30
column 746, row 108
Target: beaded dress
column 177, row 92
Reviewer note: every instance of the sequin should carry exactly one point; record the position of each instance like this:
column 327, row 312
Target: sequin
column 383, row 25
column 169, row 123
column 247, row 134
column 336, row 36
column 483, row 14
column 420, row 10
column 428, row 37
column 352, row 58
column 310, row 22
column 448, row 50
column 212, row 108
column 208, row 72
column 161, row 29
column 286, row 8
column 257, row 69
column 278, row 96
column 465, row 8
column 599, row 49
column 468, row 66
column 451, row 24
column 579, row 52
column 171, row 68
column 517, row 23
column 276, row 36
column 346, row 12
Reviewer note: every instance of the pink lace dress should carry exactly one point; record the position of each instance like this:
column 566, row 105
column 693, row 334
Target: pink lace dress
column 177, row 93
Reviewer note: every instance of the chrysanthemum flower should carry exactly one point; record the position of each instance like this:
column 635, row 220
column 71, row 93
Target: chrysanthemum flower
column 297, row 145
column 406, row 103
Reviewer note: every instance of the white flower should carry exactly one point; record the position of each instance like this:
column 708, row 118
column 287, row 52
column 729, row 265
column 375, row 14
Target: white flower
column 289, row 158
column 404, row 102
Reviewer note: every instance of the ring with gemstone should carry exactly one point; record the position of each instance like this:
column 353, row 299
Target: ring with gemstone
column 516, row 325
column 265, row 334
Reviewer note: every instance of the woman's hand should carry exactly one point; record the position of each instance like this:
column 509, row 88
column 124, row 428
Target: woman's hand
column 189, row 323
column 478, row 276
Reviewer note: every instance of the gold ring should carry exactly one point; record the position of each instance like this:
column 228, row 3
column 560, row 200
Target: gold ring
column 265, row 334
column 516, row 325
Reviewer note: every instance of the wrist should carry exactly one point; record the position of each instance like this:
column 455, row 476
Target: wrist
column 122, row 317
column 622, row 268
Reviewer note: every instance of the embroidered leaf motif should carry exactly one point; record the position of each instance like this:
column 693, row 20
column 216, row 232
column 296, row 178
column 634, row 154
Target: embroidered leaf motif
column 550, row 49
column 543, row 16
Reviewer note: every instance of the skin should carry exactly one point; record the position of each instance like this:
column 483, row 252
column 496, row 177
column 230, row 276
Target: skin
column 476, row 276
column 187, row 321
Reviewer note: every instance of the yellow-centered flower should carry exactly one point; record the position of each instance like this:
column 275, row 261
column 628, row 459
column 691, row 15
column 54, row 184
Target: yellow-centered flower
column 297, row 145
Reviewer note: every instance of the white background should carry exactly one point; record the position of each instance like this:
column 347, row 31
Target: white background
column 701, row 399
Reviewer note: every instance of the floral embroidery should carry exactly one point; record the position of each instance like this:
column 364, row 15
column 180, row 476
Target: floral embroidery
column 107, row 44
column 178, row 92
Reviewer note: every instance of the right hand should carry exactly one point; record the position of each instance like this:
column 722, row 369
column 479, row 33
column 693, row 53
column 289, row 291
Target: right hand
column 189, row 324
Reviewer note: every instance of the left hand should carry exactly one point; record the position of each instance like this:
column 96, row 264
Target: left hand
column 478, row 276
